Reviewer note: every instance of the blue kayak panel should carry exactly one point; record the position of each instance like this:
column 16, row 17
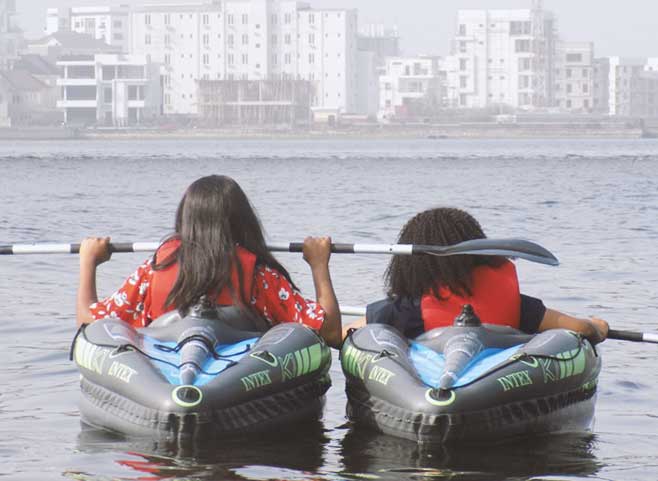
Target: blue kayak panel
column 430, row 364
column 168, row 361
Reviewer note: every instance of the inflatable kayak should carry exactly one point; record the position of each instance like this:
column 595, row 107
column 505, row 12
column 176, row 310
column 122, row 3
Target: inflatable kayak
column 199, row 376
column 469, row 382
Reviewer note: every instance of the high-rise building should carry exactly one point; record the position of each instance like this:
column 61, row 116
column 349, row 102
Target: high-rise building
column 10, row 34
column 601, row 85
column 106, row 23
column 381, row 41
column 504, row 57
column 633, row 87
column 574, row 77
column 253, row 40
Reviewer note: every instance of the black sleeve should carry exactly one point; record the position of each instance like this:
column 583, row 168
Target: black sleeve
column 403, row 314
column 532, row 313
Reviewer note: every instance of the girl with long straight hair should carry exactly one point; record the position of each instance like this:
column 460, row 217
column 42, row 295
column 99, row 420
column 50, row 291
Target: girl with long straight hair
column 217, row 254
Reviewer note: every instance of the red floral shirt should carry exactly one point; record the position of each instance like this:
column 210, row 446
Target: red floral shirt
column 273, row 297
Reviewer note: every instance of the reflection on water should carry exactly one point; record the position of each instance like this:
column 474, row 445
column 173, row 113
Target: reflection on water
column 295, row 453
column 387, row 457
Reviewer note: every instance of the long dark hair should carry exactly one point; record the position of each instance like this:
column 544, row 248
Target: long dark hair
column 414, row 276
column 213, row 217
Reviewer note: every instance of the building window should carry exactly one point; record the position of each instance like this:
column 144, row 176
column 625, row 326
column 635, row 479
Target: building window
column 568, row 73
column 585, row 88
column 206, row 59
column 574, row 57
column 147, row 19
column 205, row 19
column 274, row 19
column 245, row 59
column 167, row 59
column 311, row 58
column 462, row 30
column 245, row 39
column 311, row 18
column 230, row 40
column 117, row 36
column 287, row 58
column 463, row 64
column 147, row 39
column 206, row 39
column 167, row 19
column 230, row 59
column 245, row 19
column 229, row 19
column 117, row 24
column 525, row 64
column 463, row 81
column 274, row 39
column 287, row 18
column 287, row 39
column 522, row 46
column 462, row 47
column 107, row 95
column 274, row 59
column 519, row 28
column 569, row 88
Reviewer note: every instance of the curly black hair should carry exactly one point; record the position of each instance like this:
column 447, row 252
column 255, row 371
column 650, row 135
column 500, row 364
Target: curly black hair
column 416, row 275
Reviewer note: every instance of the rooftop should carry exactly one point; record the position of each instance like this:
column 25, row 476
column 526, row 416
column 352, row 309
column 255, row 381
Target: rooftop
column 22, row 80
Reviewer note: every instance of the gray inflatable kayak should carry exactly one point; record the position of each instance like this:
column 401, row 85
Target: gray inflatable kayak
column 469, row 383
column 199, row 376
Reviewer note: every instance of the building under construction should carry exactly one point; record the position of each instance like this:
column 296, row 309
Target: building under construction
column 255, row 102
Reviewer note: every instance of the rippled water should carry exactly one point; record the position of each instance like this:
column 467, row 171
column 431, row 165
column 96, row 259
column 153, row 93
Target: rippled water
column 593, row 203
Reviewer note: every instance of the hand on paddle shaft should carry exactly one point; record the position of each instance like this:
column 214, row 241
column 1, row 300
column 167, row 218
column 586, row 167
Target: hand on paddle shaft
column 317, row 251
column 93, row 252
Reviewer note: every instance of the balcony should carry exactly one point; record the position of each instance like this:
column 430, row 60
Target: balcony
column 76, row 82
column 76, row 104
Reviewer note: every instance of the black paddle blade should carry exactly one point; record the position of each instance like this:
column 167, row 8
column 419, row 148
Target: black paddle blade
column 520, row 248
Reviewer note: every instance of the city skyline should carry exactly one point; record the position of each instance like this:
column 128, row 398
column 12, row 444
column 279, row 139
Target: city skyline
column 630, row 32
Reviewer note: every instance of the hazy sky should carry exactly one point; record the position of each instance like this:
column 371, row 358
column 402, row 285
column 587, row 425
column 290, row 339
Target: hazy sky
column 626, row 28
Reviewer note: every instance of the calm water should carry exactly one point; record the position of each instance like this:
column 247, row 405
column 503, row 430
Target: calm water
column 593, row 203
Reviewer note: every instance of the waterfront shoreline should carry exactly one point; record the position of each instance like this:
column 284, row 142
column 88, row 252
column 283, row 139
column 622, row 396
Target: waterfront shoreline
column 433, row 132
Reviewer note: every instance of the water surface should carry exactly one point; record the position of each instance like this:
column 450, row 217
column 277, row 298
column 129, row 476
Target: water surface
column 593, row 203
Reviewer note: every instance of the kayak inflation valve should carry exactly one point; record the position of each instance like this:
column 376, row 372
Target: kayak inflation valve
column 467, row 318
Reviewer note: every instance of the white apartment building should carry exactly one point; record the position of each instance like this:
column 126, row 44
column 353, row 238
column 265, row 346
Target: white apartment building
column 601, row 79
column 10, row 35
column 504, row 57
column 633, row 87
column 106, row 23
column 109, row 89
column 249, row 40
column 410, row 87
column 574, row 77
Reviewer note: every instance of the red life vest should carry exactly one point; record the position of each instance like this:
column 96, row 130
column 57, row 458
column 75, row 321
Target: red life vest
column 496, row 299
column 163, row 280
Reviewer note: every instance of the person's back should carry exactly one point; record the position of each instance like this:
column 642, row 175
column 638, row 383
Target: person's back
column 217, row 251
column 426, row 291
